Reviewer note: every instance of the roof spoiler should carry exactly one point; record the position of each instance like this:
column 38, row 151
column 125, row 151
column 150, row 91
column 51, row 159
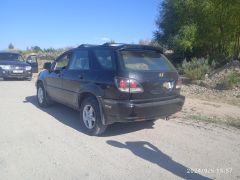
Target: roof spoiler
column 87, row 45
column 123, row 46
column 113, row 44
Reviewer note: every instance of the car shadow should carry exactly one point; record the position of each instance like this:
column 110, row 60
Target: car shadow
column 60, row 112
column 151, row 153
column 70, row 118
column 11, row 79
column 125, row 128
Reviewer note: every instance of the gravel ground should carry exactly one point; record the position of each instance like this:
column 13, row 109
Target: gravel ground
column 208, row 89
column 49, row 144
column 223, row 96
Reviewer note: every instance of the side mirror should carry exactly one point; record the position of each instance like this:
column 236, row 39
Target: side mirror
column 47, row 66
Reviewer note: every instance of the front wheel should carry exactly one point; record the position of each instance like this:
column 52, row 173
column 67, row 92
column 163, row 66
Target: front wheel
column 90, row 117
column 42, row 97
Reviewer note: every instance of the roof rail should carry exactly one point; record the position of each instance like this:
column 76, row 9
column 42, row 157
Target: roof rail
column 113, row 44
column 87, row 45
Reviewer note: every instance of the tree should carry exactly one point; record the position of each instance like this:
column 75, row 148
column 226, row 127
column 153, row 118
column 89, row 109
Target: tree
column 36, row 49
column 111, row 41
column 10, row 46
column 144, row 41
column 200, row 28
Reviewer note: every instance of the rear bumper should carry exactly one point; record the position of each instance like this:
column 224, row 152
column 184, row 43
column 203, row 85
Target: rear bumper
column 129, row 111
column 10, row 74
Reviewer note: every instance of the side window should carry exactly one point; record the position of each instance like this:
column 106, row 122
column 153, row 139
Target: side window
column 62, row 62
column 80, row 60
column 104, row 57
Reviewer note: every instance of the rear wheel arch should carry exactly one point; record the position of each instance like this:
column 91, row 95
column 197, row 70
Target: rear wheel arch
column 90, row 90
column 84, row 95
column 87, row 94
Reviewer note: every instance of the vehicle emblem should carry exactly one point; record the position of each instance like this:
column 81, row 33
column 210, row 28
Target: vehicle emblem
column 168, row 85
column 161, row 75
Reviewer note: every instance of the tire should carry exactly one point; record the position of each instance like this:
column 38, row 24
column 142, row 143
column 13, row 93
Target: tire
column 42, row 97
column 89, row 110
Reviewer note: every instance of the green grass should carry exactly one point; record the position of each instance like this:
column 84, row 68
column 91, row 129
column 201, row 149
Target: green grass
column 196, row 68
column 231, row 81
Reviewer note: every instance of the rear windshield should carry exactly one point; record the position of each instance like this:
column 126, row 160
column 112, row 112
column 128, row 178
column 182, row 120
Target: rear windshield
column 10, row 57
column 145, row 61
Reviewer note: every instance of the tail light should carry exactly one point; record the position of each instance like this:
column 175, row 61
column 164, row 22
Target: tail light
column 128, row 85
column 179, row 84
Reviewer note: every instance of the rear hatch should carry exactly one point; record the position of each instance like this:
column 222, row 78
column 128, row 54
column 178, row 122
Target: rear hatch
column 152, row 71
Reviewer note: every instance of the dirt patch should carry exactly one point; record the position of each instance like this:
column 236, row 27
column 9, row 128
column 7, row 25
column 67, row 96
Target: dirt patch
column 210, row 104
column 210, row 112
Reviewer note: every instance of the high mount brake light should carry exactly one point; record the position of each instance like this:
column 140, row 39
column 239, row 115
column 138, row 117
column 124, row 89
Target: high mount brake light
column 128, row 85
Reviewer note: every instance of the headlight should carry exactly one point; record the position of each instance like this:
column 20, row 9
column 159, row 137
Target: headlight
column 28, row 68
column 5, row 67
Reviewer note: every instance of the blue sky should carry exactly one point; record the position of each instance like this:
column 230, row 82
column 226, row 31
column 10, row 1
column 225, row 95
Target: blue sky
column 61, row 23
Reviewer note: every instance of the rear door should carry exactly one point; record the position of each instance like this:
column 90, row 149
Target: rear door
column 152, row 71
column 76, row 76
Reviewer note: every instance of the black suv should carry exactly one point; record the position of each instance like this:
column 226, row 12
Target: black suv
column 112, row 83
column 12, row 65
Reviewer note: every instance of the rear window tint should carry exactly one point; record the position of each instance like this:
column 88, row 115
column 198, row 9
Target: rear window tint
column 145, row 61
column 104, row 58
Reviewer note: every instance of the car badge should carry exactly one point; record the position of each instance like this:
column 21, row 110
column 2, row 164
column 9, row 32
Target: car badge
column 161, row 75
column 168, row 85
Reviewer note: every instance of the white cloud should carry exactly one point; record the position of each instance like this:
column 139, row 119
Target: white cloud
column 105, row 39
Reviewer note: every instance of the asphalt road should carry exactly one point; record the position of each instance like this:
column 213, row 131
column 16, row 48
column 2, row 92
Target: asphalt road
column 48, row 143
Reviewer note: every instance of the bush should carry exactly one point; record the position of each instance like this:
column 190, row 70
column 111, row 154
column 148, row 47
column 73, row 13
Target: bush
column 196, row 68
column 230, row 81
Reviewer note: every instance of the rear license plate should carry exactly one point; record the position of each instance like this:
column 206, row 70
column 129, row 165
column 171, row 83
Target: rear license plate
column 18, row 71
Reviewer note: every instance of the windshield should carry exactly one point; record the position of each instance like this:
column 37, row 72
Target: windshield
column 145, row 61
column 10, row 57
